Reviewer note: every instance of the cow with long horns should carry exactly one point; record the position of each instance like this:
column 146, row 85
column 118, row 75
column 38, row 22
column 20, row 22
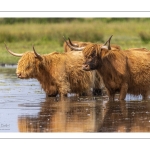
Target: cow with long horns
column 58, row 73
column 123, row 71
column 79, row 45
column 74, row 43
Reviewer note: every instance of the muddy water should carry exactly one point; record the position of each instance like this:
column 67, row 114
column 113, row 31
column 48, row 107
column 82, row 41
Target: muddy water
column 25, row 108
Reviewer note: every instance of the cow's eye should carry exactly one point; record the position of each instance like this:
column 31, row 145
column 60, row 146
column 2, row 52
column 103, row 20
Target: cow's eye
column 93, row 54
column 90, row 57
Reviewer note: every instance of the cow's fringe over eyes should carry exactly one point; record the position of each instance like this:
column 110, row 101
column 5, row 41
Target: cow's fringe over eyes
column 92, row 49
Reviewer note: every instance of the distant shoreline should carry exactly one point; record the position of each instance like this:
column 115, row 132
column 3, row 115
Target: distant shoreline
column 8, row 65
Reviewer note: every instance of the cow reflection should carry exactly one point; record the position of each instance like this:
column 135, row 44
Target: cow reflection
column 130, row 116
column 96, row 115
column 64, row 116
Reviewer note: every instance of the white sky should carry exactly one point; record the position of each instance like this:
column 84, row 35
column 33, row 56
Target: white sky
column 77, row 8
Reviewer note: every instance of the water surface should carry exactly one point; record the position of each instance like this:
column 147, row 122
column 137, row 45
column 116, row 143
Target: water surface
column 25, row 108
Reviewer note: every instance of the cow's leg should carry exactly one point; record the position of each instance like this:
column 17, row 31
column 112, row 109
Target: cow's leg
column 51, row 95
column 111, row 95
column 63, row 87
column 145, row 95
column 97, row 92
column 123, row 91
column 62, row 96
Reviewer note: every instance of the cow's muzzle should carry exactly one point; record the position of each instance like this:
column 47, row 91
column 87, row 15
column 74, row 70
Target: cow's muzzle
column 86, row 67
column 19, row 75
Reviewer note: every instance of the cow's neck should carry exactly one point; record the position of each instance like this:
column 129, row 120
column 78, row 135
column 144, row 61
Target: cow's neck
column 46, row 80
column 44, row 72
column 105, row 67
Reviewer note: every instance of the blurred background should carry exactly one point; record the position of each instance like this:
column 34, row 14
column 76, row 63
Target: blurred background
column 46, row 34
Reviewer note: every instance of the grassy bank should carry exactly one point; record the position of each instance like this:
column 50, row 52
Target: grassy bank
column 47, row 37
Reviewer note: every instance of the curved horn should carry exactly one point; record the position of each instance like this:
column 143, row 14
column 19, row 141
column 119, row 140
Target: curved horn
column 72, row 47
column 37, row 55
column 12, row 53
column 73, row 44
column 107, row 42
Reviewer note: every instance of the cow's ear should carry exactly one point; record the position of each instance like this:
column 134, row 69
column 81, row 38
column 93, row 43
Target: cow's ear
column 106, row 47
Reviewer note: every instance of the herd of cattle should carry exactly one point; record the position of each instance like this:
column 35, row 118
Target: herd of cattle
column 85, row 67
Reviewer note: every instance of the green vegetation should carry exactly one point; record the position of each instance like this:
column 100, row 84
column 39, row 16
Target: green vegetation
column 46, row 34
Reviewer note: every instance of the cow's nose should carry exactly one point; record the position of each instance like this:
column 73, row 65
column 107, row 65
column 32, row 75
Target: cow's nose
column 18, row 75
column 85, row 67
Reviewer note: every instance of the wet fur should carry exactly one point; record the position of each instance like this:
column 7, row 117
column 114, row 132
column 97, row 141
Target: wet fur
column 58, row 73
column 123, row 71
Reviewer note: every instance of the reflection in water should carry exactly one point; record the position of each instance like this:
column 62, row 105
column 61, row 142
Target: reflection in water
column 24, row 108
column 96, row 115
column 67, row 115
column 132, row 116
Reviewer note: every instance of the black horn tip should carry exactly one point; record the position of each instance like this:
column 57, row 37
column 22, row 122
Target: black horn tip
column 110, row 36
column 5, row 45
column 70, row 41
column 64, row 38
column 33, row 47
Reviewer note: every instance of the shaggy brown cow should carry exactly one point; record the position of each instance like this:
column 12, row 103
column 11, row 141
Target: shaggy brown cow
column 69, row 46
column 96, row 90
column 58, row 73
column 123, row 71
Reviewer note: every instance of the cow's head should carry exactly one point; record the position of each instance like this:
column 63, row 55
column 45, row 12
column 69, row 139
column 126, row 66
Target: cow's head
column 92, row 55
column 28, row 64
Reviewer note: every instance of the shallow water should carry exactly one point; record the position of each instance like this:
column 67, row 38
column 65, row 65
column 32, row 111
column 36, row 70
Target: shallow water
column 25, row 108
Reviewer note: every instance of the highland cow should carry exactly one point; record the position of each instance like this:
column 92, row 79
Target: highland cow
column 58, row 73
column 79, row 45
column 123, row 71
